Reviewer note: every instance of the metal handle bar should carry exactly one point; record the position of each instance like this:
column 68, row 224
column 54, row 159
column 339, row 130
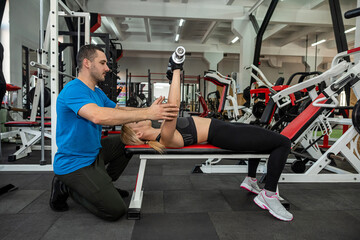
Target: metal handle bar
column 263, row 80
column 326, row 105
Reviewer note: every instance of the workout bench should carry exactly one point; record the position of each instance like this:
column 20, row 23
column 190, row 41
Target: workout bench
column 198, row 151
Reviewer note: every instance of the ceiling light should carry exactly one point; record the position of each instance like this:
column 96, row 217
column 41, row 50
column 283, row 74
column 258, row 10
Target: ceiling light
column 317, row 43
column 181, row 22
column 177, row 37
column 350, row 30
column 235, row 40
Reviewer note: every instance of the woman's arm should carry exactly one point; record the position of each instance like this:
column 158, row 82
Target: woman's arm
column 168, row 136
column 158, row 101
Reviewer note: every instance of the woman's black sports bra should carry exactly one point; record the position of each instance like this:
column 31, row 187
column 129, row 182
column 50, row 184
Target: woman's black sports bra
column 187, row 129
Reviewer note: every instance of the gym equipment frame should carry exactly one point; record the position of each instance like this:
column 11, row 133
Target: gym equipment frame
column 346, row 145
column 314, row 118
column 49, row 52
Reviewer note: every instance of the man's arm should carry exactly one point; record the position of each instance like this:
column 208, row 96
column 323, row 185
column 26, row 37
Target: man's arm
column 116, row 116
column 126, row 108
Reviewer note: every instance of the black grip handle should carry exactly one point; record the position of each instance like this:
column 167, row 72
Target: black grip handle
column 352, row 13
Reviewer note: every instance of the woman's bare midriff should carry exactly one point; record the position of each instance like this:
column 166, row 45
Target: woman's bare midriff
column 202, row 128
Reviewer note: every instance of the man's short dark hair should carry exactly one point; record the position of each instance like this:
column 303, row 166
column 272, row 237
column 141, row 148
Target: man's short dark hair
column 88, row 52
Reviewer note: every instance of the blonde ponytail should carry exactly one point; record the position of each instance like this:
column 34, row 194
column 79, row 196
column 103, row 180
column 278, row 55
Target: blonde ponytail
column 156, row 145
column 128, row 137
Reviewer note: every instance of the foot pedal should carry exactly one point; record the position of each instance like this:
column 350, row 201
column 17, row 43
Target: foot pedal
column 133, row 214
column 197, row 169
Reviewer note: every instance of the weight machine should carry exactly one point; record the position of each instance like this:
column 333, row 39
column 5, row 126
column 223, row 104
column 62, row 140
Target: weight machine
column 316, row 118
column 228, row 100
column 345, row 148
column 48, row 61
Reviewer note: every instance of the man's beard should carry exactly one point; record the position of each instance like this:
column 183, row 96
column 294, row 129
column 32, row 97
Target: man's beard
column 99, row 77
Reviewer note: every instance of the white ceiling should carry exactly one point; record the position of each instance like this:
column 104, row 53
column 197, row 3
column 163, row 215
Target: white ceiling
column 150, row 26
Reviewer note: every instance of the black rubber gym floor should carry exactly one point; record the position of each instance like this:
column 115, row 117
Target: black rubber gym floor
column 180, row 205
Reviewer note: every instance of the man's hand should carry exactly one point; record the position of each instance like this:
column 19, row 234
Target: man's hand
column 159, row 110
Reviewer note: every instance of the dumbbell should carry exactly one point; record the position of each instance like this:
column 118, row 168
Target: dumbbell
column 175, row 62
column 179, row 55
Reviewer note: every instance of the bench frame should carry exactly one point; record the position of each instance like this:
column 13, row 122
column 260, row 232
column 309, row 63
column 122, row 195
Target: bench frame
column 28, row 135
column 137, row 196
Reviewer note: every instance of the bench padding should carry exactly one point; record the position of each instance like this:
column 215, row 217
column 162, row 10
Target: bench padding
column 193, row 149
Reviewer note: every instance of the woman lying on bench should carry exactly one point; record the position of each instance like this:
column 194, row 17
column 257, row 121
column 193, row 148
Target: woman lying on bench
column 231, row 136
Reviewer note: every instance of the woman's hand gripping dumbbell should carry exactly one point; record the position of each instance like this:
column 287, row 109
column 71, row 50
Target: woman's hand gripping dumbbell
column 176, row 61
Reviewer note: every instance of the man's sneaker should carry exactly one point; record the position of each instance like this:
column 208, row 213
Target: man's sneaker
column 59, row 195
column 250, row 185
column 273, row 205
column 123, row 193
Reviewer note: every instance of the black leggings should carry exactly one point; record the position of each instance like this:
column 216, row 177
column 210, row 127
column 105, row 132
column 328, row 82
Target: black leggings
column 248, row 138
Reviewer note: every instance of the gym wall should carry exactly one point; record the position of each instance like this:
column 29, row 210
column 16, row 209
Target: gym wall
column 140, row 66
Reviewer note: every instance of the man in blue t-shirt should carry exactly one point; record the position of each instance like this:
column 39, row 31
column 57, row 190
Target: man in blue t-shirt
column 86, row 165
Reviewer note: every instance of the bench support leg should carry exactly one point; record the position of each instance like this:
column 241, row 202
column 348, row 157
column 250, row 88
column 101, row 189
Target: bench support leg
column 137, row 196
column 28, row 138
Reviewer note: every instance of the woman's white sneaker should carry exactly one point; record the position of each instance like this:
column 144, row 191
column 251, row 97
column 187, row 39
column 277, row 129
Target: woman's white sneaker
column 273, row 205
column 250, row 185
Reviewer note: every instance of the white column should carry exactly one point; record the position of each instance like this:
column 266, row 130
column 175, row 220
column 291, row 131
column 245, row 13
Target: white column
column 243, row 28
column 213, row 58
column 311, row 62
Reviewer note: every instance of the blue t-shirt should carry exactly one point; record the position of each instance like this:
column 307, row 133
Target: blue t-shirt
column 77, row 138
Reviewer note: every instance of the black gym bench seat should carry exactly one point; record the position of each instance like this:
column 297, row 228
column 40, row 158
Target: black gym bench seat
column 197, row 151
column 22, row 124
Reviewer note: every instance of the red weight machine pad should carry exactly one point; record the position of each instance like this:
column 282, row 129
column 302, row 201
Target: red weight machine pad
column 303, row 121
column 12, row 87
column 39, row 118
